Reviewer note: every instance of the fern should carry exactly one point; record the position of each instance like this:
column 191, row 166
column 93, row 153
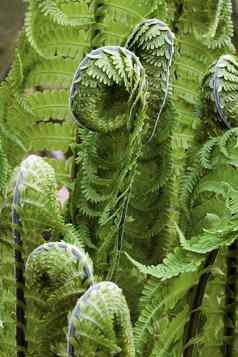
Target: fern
column 117, row 18
column 88, row 101
column 149, row 167
column 65, row 13
column 48, row 37
column 29, row 185
column 174, row 264
column 157, row 302
column 103, row 311
column 220, row 88
column 58, row 273
column 152, row 41
column 4, row 169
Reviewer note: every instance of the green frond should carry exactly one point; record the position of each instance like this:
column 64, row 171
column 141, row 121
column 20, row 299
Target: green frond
column 49, row 39
column 118, row 17
column 52, row 73
column 35, row 184
column 206, row 153
column 224, row 234
column 220, row 29
column 170, row 341
column 109, row 150
column 49, row 105
column 4, row 171
column 174, row 264
column 68, row 12
column 88, row 96
column 157, row 302
column 152, row 42
column 51, row 136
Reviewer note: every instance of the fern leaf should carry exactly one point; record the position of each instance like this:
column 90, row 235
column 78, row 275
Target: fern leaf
column 174, row 264
column 49, row 39
column 158, row 300
column 68, row 13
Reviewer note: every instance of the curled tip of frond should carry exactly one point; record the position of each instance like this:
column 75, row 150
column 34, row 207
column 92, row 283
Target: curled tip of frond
column 153, row 42
column 103, row 71
column 220, row 87
column 36, row 167
column 147, row 33
column 103, row 311
column 35, row 188
column 53, row 264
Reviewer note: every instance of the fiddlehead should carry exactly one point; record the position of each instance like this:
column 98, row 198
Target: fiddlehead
column 210, row 203
column 115, row 68
column 100, row 324
column 57, row 274
column 35, row 215
column 34, row 189
column 220, row 90
column 152, row 42
column 108, row 98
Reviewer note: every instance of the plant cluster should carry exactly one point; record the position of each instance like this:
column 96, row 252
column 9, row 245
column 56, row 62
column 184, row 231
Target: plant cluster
column 118, row 185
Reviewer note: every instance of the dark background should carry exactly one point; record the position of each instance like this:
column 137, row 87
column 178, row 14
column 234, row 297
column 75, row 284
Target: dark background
column 11, row 21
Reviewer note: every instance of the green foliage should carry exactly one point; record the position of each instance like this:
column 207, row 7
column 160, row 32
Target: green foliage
column 118, row 127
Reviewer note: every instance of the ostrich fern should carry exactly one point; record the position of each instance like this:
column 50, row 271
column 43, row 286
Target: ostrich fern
column 130, row 107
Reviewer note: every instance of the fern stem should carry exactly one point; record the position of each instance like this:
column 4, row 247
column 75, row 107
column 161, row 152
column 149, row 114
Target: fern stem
column 178, row 14
column 19, row 274
column 194, row 322
column 230, row 308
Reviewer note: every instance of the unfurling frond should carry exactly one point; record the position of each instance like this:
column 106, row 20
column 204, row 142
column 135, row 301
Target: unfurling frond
column 34, row 195
column 220, row 89
column 152, row 42
column 100, row 322
column 101, row 71
column 107, row 99
column 57, row 274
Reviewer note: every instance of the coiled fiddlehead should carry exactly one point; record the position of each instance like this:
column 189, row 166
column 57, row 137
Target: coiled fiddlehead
column 152, row 41
column 212, row 203
column 220, row 88
column 34, row 189
column 35, row 216
column 57, row 274
column 100, row 324
column 108, row 99
column 111, row 67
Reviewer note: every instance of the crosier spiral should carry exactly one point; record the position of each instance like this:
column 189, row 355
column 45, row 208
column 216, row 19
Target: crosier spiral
column 107, row 99
column 100, row 324
column 57, row 274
